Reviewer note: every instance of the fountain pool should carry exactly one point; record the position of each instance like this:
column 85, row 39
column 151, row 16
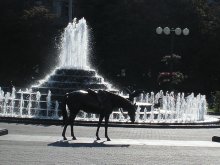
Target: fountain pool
column 42, row 101
column 173, row 108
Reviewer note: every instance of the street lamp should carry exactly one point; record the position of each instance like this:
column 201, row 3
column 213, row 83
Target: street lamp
column 172, row 32
column 177, row 31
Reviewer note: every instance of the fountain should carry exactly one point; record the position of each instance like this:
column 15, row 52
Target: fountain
column 74, row 72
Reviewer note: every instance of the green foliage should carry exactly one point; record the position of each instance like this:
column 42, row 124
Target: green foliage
column 38, row 21
column 39, row 12
column 28, row 37
column 168, row 58
column 36, row 16
column 178, row 78
column 208, row 23
column 173, row 78
column 217, row 101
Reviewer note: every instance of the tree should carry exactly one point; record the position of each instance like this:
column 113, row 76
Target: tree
column 28, row 37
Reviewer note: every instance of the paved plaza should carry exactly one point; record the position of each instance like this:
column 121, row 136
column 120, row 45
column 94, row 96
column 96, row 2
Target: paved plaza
column 43, row 144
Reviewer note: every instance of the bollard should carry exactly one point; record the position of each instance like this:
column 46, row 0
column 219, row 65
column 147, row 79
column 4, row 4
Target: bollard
column 216, row 139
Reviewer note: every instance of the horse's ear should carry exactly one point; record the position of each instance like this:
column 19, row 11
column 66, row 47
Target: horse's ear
column 136, row 93
column 121, row 111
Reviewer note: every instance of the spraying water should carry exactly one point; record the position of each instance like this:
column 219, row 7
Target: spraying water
column 74, row 46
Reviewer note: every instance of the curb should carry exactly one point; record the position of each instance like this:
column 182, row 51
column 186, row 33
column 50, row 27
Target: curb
column 3, row 131
column 214, row 113
column 111, row 124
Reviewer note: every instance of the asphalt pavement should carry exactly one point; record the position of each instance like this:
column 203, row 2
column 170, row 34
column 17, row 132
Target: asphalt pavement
column 43, row 144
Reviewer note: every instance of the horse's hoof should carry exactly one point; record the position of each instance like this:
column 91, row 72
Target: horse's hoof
column 108, row 139
column 64, row 138
column 74, row 138
column 98, row 138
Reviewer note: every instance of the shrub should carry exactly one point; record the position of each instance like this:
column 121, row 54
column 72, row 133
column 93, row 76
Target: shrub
column 217, row 101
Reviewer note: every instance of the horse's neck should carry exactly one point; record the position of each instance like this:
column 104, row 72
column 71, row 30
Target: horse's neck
column 120, row 102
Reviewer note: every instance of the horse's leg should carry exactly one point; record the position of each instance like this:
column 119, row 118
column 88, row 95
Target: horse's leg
column 99, row 124
column 64, row 131
column 106, row 127
column 72, row 124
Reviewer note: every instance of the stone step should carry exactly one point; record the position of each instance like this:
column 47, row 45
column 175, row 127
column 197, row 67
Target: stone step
column 75, row 72
column 80, row 79
column 57, row 84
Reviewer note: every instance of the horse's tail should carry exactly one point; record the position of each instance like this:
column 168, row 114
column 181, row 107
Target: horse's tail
column 64, row 111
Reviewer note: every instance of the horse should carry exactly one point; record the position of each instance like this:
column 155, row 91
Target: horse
column 88, row 101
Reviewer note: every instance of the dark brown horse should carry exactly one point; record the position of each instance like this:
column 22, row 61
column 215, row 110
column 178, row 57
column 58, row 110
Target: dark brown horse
column 92, row 102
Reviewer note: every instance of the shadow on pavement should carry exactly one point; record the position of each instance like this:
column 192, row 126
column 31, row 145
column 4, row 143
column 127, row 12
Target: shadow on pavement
column 93, row 144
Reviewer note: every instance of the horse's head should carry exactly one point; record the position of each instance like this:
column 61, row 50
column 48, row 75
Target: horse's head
column 131, row 112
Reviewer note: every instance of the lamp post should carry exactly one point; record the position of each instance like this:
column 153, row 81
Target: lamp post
column 70, row 10
column 172, row 32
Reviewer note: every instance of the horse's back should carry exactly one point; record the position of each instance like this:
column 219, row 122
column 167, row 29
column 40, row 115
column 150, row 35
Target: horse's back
column 77, row 96
column 84, row 101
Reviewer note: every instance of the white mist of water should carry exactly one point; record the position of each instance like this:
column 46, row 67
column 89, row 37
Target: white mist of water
column 74, row 46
